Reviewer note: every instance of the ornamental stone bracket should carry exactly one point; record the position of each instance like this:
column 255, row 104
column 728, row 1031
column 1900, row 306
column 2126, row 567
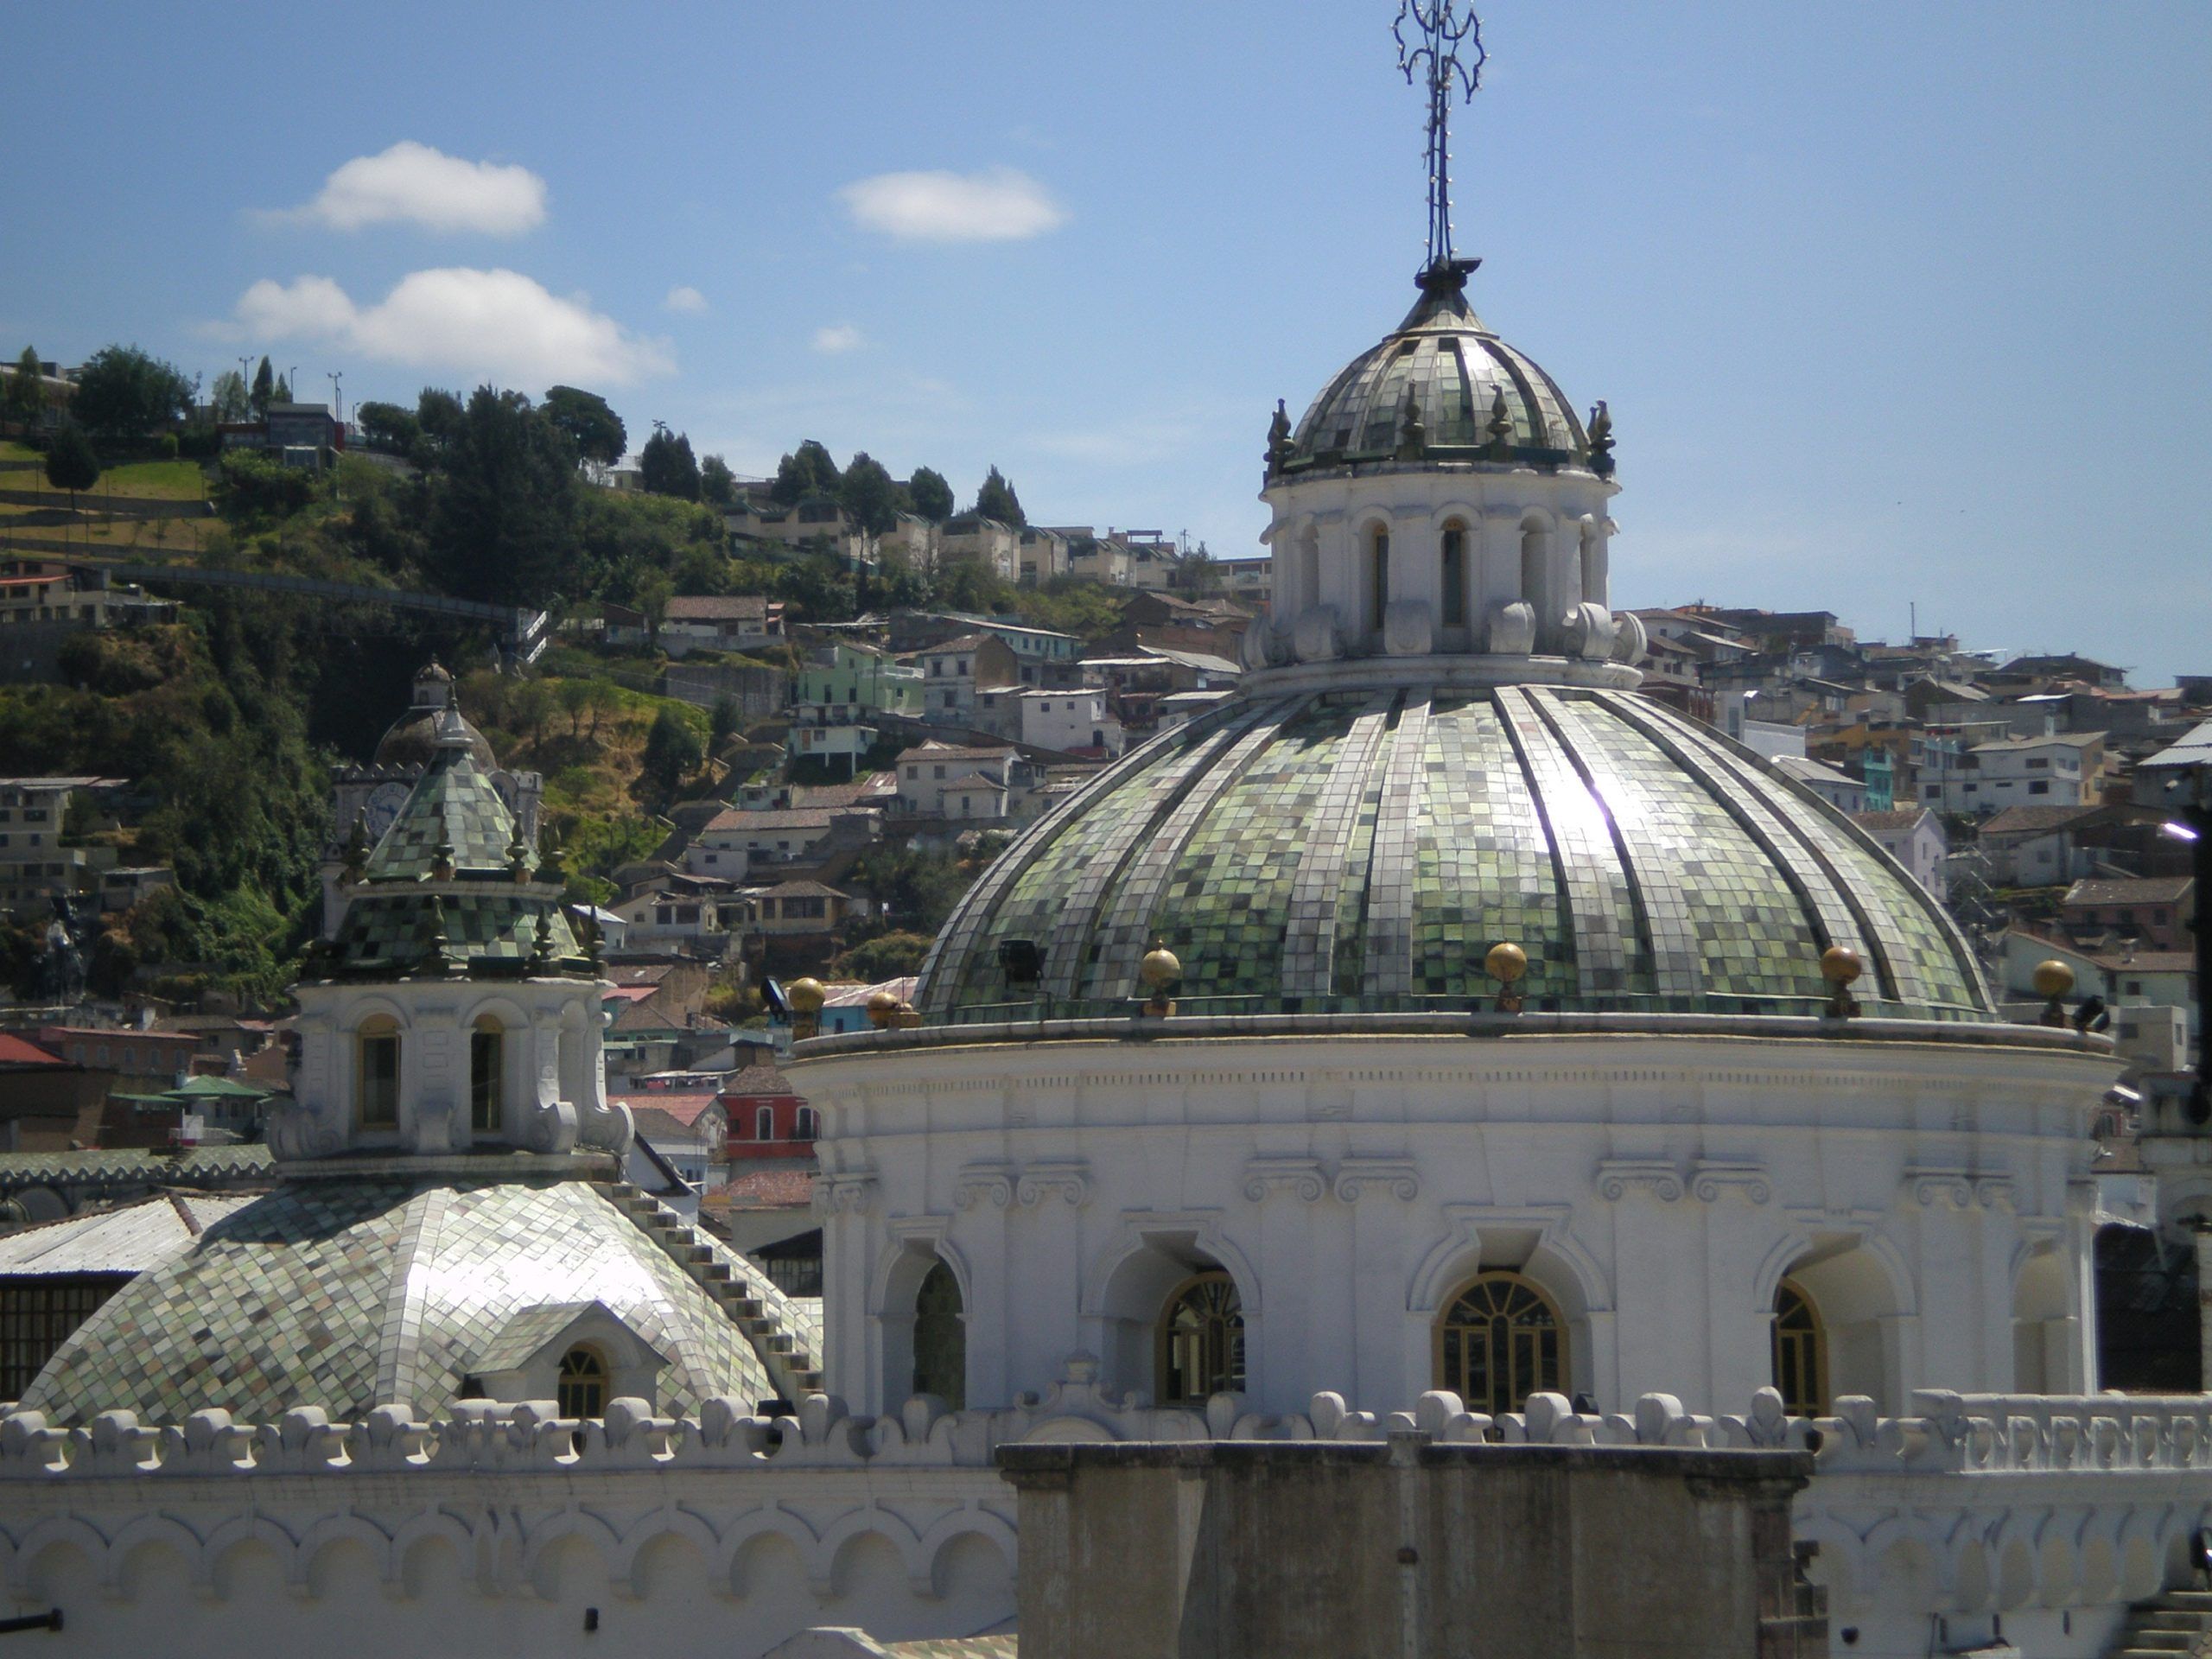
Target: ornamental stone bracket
column 1395, row 1177
column 850, row 1194
column 1066, row 1179
column 1302, row 1177
column 1958, row 1189
column 1618, row 1177
column 1309, row 1178
column 1713, row 1181
column 991, row 1183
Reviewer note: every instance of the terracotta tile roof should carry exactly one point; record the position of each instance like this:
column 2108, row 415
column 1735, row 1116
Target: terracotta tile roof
column 1888, row 822
column 756, row 1081
column 2141, row 890
column 2019, row 820
column 767, row 1188
column 785, row 817
column 735, row 608
column 684, row 1108
column 14, row 1050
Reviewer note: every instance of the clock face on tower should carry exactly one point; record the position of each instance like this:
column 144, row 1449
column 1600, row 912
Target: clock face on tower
column 383, row 806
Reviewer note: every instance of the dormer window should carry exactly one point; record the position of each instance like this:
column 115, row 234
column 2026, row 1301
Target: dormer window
column 1455, row 576
column 583, row 1391
column 1378, row 579
column 487, row 1077
column 377, row 1082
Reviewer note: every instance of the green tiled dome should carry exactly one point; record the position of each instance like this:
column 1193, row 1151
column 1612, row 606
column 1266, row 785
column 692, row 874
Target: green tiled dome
column 349, row 1294
column 1461, row 375
column 1361, row 849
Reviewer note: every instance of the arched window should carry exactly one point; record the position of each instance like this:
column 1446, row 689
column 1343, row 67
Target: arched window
column 1378, row 578
column 582, row 1391
column 376, row 1086
column 764, row 1123
column 1201, row 1347
column 1501, row 1340
column 804, row 1127
column 1454, row 575
column 487, row 1077
column 1801, row 1360
column 940, row 1339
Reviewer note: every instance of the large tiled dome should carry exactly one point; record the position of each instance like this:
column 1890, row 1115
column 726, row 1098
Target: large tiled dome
column 1348, row 848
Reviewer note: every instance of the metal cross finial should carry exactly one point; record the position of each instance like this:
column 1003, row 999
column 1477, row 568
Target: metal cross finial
column 1445, row 33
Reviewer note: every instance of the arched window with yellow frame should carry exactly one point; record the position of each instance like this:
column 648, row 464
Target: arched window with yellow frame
column 376, row 1073
column 1201, row 1340
column 1501, row 1339
column 581, row 1390
column 1801, row 1352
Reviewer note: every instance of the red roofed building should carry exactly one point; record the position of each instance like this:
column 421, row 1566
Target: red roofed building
column 766, row 1119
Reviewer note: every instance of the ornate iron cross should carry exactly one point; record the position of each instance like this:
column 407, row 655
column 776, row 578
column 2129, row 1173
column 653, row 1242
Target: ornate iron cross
column 1448, row 50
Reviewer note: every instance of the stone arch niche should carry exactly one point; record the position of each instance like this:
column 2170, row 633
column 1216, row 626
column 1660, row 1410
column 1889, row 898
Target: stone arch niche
column 1136, row 1294
column 1864, row 1314
column 2046, row 1330
column 922, row 1313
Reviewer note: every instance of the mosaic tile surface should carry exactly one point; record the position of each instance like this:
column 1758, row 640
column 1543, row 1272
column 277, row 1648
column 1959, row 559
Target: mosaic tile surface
column 1363, row 851
column 385, row 932
column 312, row 1294
column 453, row 804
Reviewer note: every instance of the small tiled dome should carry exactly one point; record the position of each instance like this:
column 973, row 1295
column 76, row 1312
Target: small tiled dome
column 1360, row 848
column 351, row 1294
column 1463, row 377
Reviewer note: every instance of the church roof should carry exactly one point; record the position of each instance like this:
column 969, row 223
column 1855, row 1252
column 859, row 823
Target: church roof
column 1361, row 849
column 453, row 805
column 356, row 1293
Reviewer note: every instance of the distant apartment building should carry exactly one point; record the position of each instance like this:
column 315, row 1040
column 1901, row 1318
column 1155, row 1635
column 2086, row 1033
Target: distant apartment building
column 2156, row 913
column 1073, row 721
column 928, row 770
column 737, row 622
column 2060, row 770
column 997, row 547
column 739, row 844
column 1249, row 582
column 816, row 522
column 1044, row 556
column 953, row 670
column 1914, row 836
column 35, row 868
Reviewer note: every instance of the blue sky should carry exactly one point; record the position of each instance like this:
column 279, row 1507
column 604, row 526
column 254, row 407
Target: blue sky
column 1892, row 303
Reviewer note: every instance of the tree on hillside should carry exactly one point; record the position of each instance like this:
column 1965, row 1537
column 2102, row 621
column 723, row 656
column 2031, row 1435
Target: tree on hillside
column 970, row 584
column 72, row 463
column 388, row 426
column 503, row 505
column 596, row 429
column 652, row 592
column 806, row 471
column 932, row 495
column 722, row 722
column 870, row 496
column 264, row 388
column 996, row 500
column 229, row 397
column 666, row 466
column 672, row 751
column 440, row 415
column 284, row 394
column 26, row 389
column 576, row 702
column 717, row 484
column 123, row 393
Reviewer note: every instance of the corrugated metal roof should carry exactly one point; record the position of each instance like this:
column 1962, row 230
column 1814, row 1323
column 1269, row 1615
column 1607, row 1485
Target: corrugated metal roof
column 135, row 1238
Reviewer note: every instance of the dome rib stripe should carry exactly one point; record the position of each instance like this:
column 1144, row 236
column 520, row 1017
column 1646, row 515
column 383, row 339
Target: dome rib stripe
column 1388, row 969
column 1066, row 959
column 1540, row 432
column 1559, row 399
column 1114, row 975
column 399, row 1361
column 1310, row 951
column 945, row 967
column 1677, row 969
column 1874, row 925
column 1835, row 922
column 1586, row 853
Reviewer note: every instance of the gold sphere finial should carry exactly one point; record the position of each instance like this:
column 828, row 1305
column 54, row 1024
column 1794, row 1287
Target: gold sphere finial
column 882, row 1009
column 2053, row 978
column 1840, row 965
column 1161, row 967
column 805, row 995
column 1506, row 962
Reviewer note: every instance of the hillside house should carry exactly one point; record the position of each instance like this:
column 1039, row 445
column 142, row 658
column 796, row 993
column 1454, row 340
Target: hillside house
column 1914, row 836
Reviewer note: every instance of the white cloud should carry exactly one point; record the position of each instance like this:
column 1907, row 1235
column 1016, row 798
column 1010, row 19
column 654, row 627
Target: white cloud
column 685, row 300
column 999, row 205
column 498, row 324
column 414, row 184
column 838, row 337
